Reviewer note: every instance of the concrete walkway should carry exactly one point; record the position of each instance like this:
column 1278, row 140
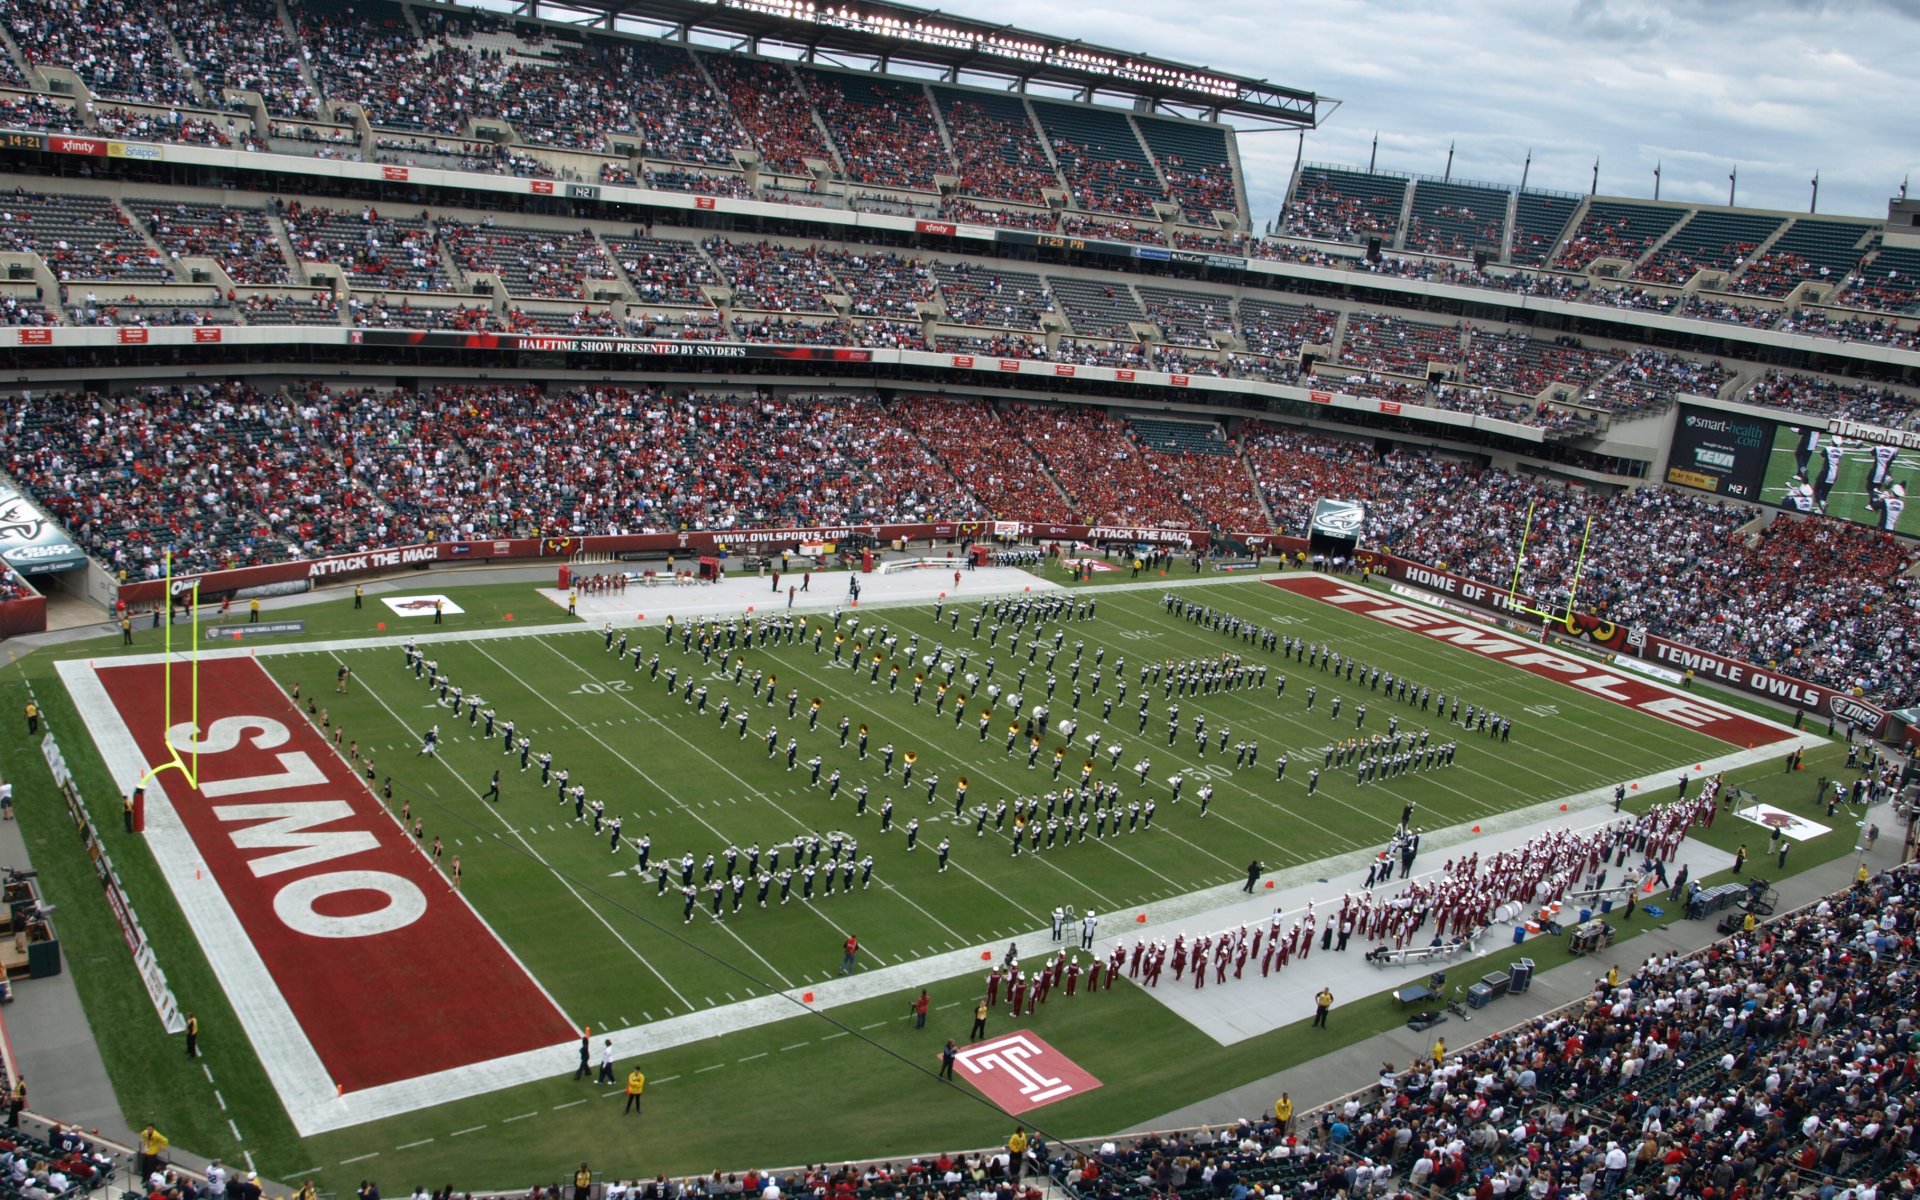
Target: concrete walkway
column 1353, row 1068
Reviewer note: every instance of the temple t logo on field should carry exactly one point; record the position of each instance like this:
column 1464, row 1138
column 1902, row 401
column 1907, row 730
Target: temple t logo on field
column 1020, row 1071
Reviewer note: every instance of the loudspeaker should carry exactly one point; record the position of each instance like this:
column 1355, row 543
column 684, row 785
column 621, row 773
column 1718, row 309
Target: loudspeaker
column 1373, row 249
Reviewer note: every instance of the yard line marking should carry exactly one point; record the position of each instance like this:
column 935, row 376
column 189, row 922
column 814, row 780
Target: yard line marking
column 635, row 768
column 564, row 882
column 751, row 1057
column 222, row 1099
column 411, row 1145
column 208, row 1071
column 558, row 1107
column 795, row 1046
column 248, row 1155
column 236, row 1130
column 475, row 1129
column 431, row 788
column 359, row 1158
column 521, row 1117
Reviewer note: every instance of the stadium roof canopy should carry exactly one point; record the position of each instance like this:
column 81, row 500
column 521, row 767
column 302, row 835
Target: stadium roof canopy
column 883, row 36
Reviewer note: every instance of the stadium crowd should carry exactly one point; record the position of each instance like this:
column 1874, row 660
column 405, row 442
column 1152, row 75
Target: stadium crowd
column 1774, row 1063
column 234, row 476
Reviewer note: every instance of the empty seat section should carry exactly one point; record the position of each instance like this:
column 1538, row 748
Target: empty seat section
column 1338, row 205
column 1099, row 309
column 241, row 240
column 530, row 262
column 1105, row 167
column 376, row 251
column 664, row 270
column 1539, row 221
column 1712, row 239
column 772, row 278
column 978, row 294
column 1823, row 251
column 1890, row 283
column 1456, row 219
column 1395, row 345
column 80, row 237
column 1194, row 160
column 1616, row 229
column 1187, row 318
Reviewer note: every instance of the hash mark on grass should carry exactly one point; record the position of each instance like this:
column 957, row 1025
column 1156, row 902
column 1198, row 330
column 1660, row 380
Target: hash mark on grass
column 666, row 1079
column 569, row 1104
column 359, row 1158
column 704, row 1070
column 837, row 1033
column 751, row 1057
column 236, row 1130
column 221, row 1099
column 875, row 1025
column 521, row 1117
column 412, row 1145
column 478, row 1128
column 795, row 1046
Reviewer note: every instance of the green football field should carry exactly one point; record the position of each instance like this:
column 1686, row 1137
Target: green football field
column 692, row 787
column 1852, row 489
column 615, row 953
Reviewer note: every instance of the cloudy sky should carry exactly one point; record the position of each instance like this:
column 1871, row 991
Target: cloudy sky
column 1778, row 88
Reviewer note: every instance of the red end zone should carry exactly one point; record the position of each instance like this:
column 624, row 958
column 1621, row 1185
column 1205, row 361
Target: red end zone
column 1641, row 695
column 388, row 973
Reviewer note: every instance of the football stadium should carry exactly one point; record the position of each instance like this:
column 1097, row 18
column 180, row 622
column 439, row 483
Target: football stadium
column 702, row 598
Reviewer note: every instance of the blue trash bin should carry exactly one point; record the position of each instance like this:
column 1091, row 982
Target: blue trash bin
column 1586, row 914
column 1519, row 934
column 1606, row 906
